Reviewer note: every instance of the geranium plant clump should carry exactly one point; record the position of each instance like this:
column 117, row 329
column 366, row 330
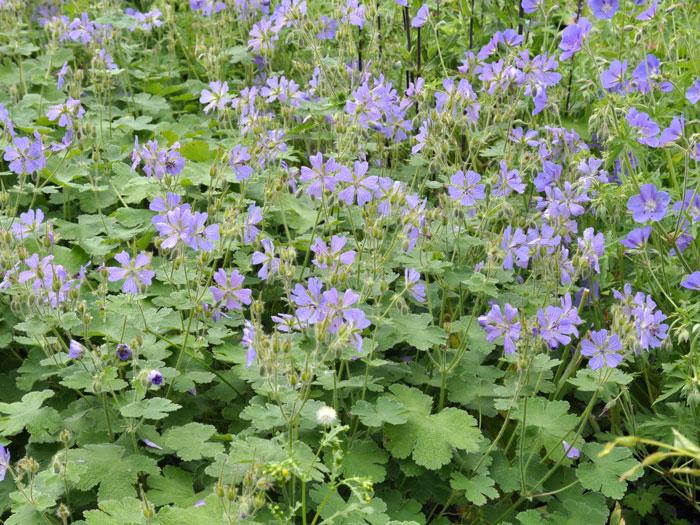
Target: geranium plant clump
column 363, row 261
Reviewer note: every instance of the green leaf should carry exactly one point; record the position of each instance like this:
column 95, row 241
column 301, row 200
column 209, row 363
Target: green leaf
column 412, row 328
column 365, row 459
column 387, row 410
column 549, row 418
column 430, row 438
column 602, row 474
column 153, row 408
column 191, row 441
column 173, row 487
column 196, row 150
column 107, row 467
column 476, row 489
column 40, row 422
column 644, row 499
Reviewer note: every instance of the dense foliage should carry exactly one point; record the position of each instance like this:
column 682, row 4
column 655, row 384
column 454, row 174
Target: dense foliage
column 370, row 261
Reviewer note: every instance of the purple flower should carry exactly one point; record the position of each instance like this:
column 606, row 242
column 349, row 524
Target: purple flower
column 340, row 308
column 263, row 36
column 251, row 231
column 614, row 77
column 555, row 326
column 421, row 16
column 571, row 451
column 358, row 183
column 65, row 112
column 287, row 323
column 199, row 236
column 673, row 132
column 4, row 461
column 648, row 13
column 229, row 290
column 321, row 174
column 603, row 350
column 511, row 244
column 237, row 160
column 637, row 238
column 416, row 289
column 329, row 258
column 151, row 444
column 355, row 323
column 572, row 38
column 23, row 157
column 591, row 247
column 155, row 377
column 648, row 322
column 690, row 205
column 603, row 9
column 247, row 340
column 645, row 74
column 270, row 263
column 693, row 92
column 132, row 270
column 310, row 302
column 496, row 324
column 75, row 349
column 217, row 98
column 174, row 225
column 692, row 281
column 29, row 223
column 327, row 28
column 465, row 188
column 62, row 73
column 646, row 129
column 650, row 204
column 508, row 181
column 530, row 6
column 123, row 351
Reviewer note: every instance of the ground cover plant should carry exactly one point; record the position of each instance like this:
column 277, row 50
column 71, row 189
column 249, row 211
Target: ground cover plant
column 373, row 261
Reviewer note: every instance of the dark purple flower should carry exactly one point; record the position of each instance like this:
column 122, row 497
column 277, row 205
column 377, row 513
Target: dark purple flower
column 650, row 204
column 604, row 9
column 155, row 377
column 602, row 350
column 497, row 324
column 123, row 351
column 133, row 270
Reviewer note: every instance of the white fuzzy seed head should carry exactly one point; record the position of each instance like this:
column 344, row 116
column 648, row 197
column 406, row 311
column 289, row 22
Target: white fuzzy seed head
column 326, row 416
